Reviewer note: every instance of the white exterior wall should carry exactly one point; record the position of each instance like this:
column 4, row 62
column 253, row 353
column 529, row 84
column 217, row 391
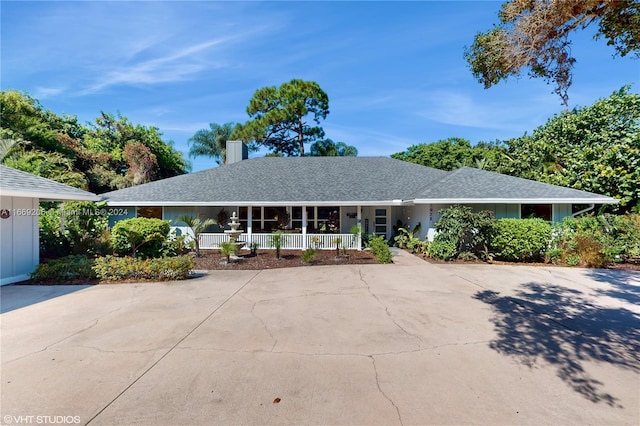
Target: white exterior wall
column 346, row 223
column 19, row 239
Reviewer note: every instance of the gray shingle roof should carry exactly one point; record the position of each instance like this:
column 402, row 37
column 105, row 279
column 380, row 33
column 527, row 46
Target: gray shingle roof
column 17, row 183
column 471, row 184
column 300, row 180
column 290, row 179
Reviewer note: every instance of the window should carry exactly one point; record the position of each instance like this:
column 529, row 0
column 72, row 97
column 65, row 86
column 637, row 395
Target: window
column 296, row 216
column 381, row 222
column 150, row 212
column 329, row 219
column 542, row 211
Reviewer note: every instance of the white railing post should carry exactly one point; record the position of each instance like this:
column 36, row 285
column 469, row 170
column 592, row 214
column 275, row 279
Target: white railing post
column 304, row 228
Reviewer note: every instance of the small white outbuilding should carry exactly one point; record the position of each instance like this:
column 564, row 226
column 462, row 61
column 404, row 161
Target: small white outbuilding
column 20, row 196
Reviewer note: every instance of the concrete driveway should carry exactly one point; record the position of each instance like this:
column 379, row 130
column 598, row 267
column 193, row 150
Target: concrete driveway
column 409, row 343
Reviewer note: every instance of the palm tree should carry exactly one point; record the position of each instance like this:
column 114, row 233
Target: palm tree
column 212, row 142
column 197, row 226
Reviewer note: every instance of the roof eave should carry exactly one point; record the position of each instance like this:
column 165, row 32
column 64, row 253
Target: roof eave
column 49, row 196
column 254, row 203
column 592, row 200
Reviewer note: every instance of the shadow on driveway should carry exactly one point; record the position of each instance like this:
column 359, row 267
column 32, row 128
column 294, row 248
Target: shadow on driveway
column 567, row 330
column 17, row 296
column 625, row 284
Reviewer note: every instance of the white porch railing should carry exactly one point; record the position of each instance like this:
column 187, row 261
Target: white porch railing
column 289, row 241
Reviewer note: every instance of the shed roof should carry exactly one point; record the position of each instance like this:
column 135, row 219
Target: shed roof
column 16, row 183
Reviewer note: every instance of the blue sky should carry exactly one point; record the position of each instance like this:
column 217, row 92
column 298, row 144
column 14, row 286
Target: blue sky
column 394, row 71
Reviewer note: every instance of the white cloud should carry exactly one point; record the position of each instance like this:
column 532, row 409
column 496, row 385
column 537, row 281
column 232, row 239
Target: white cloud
column 174, row 66
column 370, row 143
column 47, row 92
column 461, row 109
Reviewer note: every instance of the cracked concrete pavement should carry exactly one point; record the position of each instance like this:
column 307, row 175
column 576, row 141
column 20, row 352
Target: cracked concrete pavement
column 408, row 343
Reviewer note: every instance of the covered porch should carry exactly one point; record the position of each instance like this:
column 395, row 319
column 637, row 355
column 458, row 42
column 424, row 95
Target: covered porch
column 301, row 227
column 320, row 226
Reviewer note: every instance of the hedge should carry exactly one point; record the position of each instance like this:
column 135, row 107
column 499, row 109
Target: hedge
column 521, row 240
column 114, row 268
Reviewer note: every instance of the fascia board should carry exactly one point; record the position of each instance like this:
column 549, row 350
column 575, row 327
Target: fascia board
column 254, row 203
column 48, row 196
column 599, row 200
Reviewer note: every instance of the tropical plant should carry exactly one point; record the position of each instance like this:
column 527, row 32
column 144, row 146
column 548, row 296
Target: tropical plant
column 275, row 241
column 337, row 241
column 212, row 142
column 197, row 227
column 406, row 236
column 228, row 248
column 254, row 248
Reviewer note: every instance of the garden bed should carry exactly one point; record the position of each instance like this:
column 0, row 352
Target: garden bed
column 266, row 259
column 620, row 266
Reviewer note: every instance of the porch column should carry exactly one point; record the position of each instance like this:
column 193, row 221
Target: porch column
column 304, row 227
column 359, row 222
column 249, row 226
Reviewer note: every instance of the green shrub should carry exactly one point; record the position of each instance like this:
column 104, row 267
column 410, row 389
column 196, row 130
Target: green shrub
column 467, row 231
column 597, row 240
column 140, row 236
column 308, row 255
column 521, row 240
column 65, row 269
column 177, row 245
column 81, row 232
column 442, row 249
column 114, row 268
column 380, row 249
column 626, row 237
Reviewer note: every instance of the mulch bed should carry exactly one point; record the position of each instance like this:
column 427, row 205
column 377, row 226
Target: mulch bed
column 266, row 259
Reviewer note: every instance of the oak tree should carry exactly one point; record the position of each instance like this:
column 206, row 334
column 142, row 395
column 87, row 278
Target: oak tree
column 534, row 35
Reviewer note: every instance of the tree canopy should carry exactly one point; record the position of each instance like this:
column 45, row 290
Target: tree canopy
column 109, row 154
column 594, row 148
column 328, row 148
column 279, row 117
column 453, row 153
column 534, row 35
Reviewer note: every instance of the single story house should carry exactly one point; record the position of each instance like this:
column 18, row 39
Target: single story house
column 20, row 196
column 321, row 198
